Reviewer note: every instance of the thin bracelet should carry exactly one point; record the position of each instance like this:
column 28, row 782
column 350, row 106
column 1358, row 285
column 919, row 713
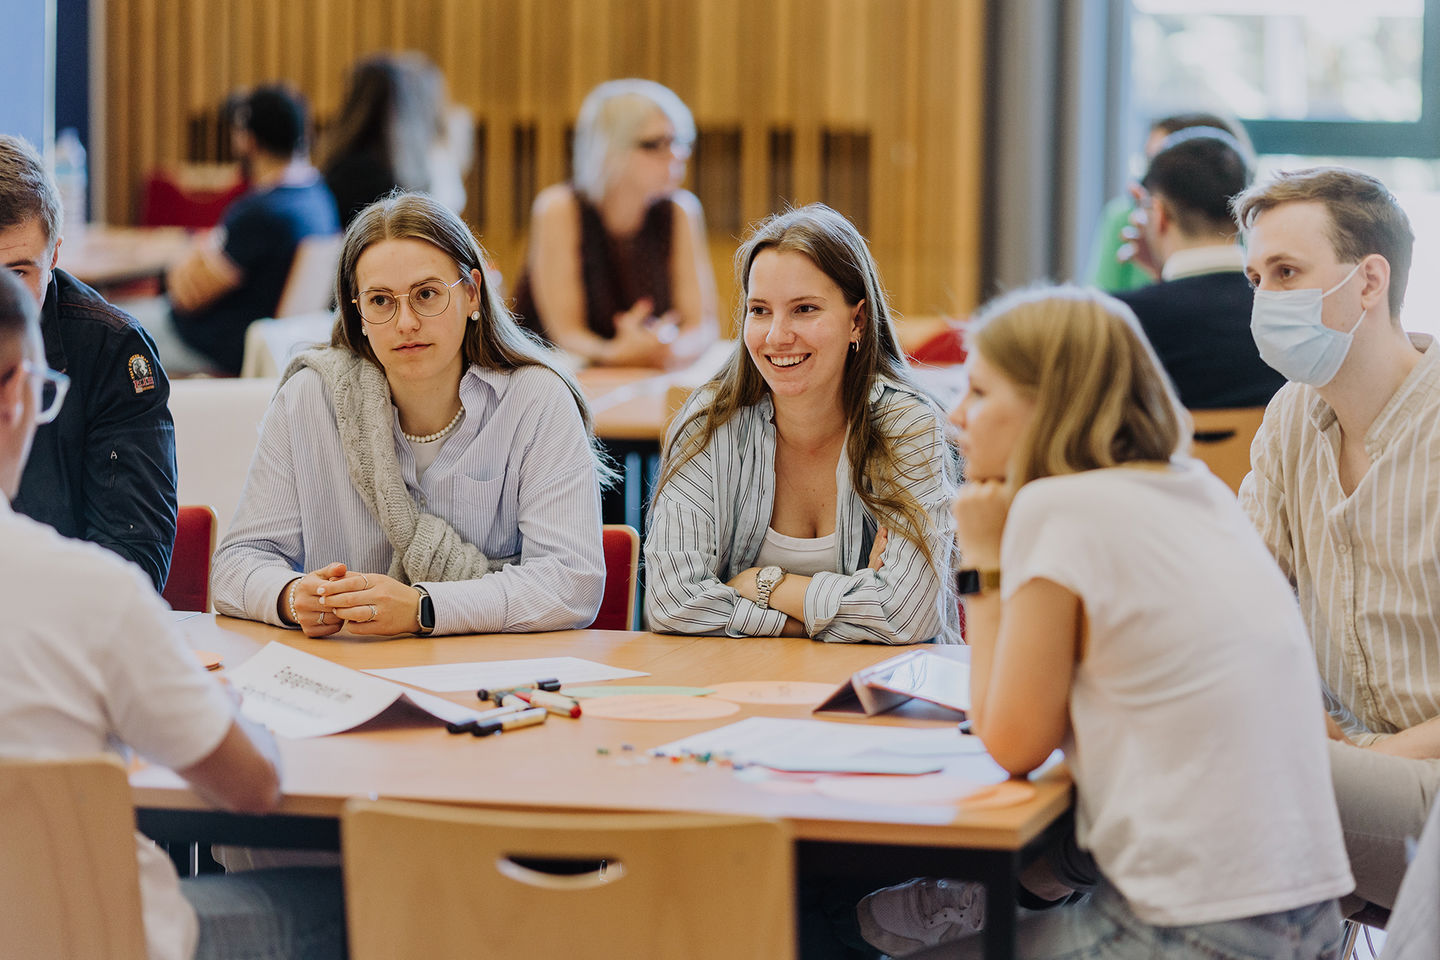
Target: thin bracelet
column 290, row 599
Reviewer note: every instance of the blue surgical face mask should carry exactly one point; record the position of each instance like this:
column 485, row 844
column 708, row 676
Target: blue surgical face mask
column 1292, row 338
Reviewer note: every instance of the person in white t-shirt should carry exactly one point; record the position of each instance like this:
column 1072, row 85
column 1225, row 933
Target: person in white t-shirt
column 111, row 671
column 1122, row 609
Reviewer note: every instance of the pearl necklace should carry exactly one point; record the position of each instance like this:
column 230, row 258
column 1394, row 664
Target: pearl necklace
column 439, row 434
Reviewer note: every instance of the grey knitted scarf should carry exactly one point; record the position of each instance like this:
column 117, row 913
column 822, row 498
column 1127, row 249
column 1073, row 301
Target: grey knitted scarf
column 427, row 548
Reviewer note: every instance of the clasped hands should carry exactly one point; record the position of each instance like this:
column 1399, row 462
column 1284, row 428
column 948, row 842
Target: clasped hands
column 643, row 339
column 333, row 598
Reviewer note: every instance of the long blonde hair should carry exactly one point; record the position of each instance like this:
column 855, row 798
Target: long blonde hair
column 495, row 341
column 1101, row 397
column 880, row 476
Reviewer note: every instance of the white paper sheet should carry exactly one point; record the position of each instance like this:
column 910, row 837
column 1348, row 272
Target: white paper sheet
column 821, row 746
column 298, row 695
column 493, row 674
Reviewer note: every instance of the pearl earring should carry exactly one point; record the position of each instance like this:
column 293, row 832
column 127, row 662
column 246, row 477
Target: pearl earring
column 475, row 316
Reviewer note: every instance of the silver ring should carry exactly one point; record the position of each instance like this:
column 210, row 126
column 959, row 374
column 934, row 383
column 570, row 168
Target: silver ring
column 320, row 621
column 367, row 581
column 373, row 613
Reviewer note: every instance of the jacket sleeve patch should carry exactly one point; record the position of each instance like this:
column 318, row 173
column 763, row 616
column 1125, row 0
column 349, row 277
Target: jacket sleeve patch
column 142, row 374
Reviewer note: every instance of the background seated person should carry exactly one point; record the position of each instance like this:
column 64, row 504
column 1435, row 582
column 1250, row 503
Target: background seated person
column 238, row 274
column 1198, row 316
column 1200, row 766
column 431, row 469
column 805, row 490
column 111, row 673
column 618, row 271
column 392, row 131
column 104, row 469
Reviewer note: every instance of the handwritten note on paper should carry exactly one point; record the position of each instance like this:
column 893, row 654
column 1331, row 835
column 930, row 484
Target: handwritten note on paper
column 816, row 746
column 297, row 694
column 497, row 674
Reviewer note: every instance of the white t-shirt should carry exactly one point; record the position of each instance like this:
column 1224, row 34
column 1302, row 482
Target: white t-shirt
column 804, row 556
column 93, row 661
column 1197, row 736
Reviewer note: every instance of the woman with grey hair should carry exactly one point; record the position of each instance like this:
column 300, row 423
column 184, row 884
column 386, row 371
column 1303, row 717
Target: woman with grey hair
column 618, row 270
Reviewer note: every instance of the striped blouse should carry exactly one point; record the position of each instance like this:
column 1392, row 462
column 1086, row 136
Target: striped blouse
column 516, row 478
column 709, row 523
column 1366, row 567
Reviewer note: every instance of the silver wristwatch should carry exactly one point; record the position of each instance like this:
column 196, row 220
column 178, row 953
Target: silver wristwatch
column 765, row 583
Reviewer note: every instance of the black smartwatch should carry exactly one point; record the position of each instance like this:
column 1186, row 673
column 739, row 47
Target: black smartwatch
column 427, row 612
column 970, row 582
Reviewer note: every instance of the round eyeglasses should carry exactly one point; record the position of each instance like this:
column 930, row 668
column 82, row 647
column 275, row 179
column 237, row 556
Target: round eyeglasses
column 428, row 298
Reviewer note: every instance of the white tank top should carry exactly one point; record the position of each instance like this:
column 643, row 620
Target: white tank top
column 797, row 555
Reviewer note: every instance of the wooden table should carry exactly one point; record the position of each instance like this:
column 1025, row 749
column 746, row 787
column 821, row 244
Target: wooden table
column 104, row 256
column 557, row 767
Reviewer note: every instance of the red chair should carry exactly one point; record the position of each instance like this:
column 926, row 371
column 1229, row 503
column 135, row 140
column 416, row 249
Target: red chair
column 622, row 573
column 944, row 348
column 175, row 198
column 188, row 587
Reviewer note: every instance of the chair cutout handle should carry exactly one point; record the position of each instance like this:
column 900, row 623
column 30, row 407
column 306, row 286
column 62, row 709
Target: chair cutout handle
column 1214, row 436
column 560, row 874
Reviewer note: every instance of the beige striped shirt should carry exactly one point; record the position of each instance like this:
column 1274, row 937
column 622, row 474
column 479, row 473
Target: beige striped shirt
column 1366, row 567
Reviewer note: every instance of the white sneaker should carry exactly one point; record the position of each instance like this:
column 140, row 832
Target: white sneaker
column 921, row 913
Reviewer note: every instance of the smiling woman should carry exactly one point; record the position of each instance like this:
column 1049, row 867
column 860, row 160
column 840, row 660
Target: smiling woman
column 805, row 490
column 432, row 469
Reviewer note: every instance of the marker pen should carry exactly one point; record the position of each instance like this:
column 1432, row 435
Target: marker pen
column 500, row 711
column 495, row 693
column 512, row 721
column 556, row 703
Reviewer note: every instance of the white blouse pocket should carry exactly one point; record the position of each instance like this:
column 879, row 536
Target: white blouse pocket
column 481, row 517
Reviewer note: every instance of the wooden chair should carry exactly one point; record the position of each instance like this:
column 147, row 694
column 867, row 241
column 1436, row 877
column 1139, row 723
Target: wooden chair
column 69, row 884
column 188, row 587
column 1222, row 441
column 621, row 543
column 424, row 880
column 311, row 282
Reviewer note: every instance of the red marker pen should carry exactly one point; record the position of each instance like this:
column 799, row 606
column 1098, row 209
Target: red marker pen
column 556, row 703
column 513, row 721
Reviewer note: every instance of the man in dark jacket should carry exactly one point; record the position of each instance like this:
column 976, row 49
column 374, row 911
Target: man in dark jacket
column 1198, row 316
column 104, row 470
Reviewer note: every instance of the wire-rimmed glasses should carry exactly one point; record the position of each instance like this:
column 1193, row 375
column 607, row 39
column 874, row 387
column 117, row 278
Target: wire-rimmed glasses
column 428, row 298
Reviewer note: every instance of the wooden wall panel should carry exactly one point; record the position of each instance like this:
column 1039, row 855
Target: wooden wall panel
column 874, row 104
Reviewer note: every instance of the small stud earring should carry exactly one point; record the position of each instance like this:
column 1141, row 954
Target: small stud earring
column 854, row 346
column 475, row 316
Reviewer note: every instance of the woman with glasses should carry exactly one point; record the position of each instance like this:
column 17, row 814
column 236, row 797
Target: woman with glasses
column 431, row 470
column 618, row 271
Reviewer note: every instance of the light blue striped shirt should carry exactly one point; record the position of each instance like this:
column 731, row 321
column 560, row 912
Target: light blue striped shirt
column 709, row 523
column 516, row 478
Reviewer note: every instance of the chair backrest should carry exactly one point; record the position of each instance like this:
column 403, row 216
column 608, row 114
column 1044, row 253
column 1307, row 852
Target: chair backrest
column 69, row 884
column 676, row 396
column 423, row 880
column 188, row 587
column 1222, row 441
column 311, row 281
column 192, row 195
column 622, row 573
column 217, row 424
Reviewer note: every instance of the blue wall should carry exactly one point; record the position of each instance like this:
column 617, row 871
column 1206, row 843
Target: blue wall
column 25, row 46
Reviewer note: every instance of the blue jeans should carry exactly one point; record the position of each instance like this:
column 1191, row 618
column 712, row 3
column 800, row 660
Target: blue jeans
column 290, row 913
column 1103, row 928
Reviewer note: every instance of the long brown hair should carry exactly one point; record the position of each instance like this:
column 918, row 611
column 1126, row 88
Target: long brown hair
column 1101, row 397
column 495, row 342
column 880, row 476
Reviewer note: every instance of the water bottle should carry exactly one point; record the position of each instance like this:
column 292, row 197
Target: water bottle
column 71, row 178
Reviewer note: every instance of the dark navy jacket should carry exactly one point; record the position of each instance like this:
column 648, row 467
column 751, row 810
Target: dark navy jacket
column 104, row 470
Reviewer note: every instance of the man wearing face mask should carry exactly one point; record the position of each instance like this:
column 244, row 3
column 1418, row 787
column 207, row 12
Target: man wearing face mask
column 1345, row 489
